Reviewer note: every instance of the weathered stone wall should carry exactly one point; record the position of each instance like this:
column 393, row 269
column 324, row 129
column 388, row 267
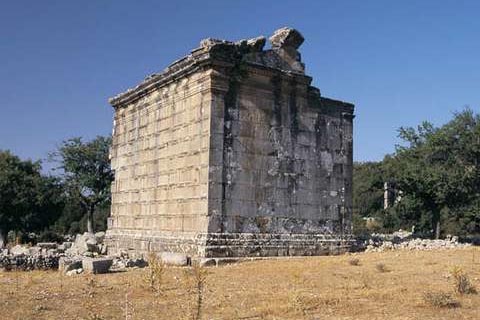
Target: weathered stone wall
column 160, row 155
column 279, row 162
column 231, row 152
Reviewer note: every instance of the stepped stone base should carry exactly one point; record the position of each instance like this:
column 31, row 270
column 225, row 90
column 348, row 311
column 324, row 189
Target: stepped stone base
column 219, row 245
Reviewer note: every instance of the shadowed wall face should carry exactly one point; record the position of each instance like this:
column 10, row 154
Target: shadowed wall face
column 280, row 161
column 231, row 152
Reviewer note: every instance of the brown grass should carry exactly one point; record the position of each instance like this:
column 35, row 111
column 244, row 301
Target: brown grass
column 297, row 288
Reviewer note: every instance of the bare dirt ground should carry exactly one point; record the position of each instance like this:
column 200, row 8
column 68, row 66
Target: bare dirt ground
column 388, row 285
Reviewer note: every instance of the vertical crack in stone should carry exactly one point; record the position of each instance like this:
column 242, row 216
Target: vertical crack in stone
column 231, row 110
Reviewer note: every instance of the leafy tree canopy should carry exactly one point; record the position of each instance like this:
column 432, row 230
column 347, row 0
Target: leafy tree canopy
column 86, row 173
column 437, row 170
column 29, row 201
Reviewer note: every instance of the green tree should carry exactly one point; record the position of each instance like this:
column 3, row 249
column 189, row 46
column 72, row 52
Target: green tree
column 86, row 173
column 368, row 179
column 29, row 201
column 438, row 170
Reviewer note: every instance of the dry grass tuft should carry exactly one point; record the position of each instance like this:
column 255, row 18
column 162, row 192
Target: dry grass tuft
column 440, row 300
column 381, row 267
column 155, row 273
column 354, row 262
column 197, row 278
column 90, row 300
column 462, row 283
column 303, row 303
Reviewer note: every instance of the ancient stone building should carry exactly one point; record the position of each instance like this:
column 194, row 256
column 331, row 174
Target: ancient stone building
column 231, row 152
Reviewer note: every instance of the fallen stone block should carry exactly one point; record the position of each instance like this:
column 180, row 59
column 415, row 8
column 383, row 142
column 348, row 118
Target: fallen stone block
column 92, row 245
column 83, row 243
column 74, row 272
column 132, row 263
column 34, row 251
column 174, row 259
column 96, row 265
column 66, row 245
column 225, row 261
column 103, row 249
column 52, row 252
column 19, row 250
column 47, row 245
column 66, row 264
column 100, row 236
column 207, row 262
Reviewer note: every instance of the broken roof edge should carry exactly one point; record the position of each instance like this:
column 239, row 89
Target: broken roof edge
column 179, row 67
column 210, row 51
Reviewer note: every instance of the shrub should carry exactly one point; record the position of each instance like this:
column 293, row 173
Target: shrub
column 440, row 300
column 155, row 272
column 462, row 284
column 197, row 277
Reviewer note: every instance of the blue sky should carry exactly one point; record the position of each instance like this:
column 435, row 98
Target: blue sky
column 400, row 62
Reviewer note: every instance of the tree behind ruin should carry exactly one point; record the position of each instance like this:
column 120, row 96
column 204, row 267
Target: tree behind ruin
column 86, row 173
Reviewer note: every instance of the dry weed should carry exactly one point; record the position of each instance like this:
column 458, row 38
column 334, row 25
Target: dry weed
column 461, row 281
column 303, row 303
column 197, row 277
column 90, row 301
column 440, row 300
column 155, row 272
column 354, row 261
column 381, row 267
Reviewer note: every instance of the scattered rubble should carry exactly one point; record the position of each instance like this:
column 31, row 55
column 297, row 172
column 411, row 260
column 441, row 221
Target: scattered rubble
column 27, row 262
column 87, row 253
column 123, row 262
column 82, row 253
column 68, row 256
column 402, row 240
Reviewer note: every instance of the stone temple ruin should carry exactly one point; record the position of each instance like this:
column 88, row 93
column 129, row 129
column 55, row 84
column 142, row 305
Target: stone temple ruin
column 230, row 152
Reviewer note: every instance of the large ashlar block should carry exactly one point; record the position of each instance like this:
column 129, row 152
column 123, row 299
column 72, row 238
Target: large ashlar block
column 96, row 265
column 231, row 152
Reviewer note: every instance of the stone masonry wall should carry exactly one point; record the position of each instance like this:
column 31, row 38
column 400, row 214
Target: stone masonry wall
column 231, row 152
column 279, row 162
column 160, row 155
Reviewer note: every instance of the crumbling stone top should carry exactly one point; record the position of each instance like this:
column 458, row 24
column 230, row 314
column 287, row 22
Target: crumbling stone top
column 286, row 37
column 283, row 57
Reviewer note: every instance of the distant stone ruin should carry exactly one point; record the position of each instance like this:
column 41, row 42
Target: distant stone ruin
column 230, row 152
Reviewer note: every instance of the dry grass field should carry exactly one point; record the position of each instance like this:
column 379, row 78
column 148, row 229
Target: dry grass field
column 389, row 285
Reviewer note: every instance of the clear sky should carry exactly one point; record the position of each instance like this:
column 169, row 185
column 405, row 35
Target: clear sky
column 400, row 62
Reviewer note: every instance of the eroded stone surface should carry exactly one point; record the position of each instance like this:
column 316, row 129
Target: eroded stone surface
column 286, row 37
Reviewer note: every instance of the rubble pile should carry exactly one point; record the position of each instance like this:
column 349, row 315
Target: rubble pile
column 406, row 241
column 27, row 262
column 86, row 253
